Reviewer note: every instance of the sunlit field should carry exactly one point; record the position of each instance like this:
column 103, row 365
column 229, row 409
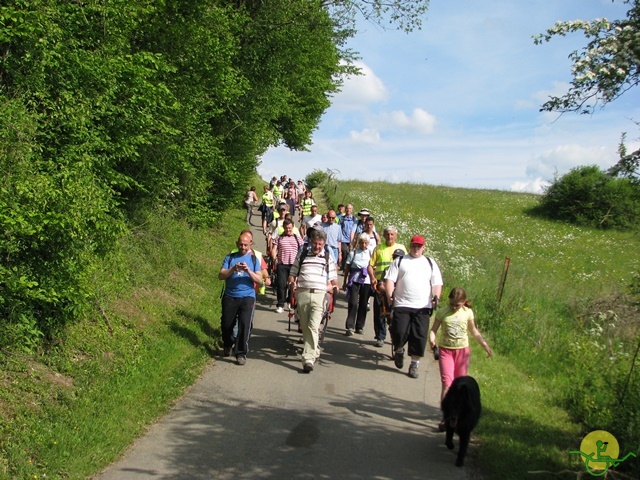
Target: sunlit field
column 557, row 322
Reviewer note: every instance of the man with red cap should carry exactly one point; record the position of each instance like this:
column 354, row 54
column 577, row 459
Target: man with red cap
column 413, row 284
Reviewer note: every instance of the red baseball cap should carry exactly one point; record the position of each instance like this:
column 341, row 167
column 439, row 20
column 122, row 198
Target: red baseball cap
column 417, row 240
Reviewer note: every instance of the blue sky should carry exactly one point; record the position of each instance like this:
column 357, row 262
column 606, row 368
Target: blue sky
column 457, row 103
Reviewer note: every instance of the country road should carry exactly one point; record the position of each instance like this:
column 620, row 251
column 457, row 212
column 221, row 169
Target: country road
column 354, row 417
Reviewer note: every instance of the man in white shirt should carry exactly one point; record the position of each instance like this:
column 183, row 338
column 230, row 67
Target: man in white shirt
column 414, row 285
column 312, row 220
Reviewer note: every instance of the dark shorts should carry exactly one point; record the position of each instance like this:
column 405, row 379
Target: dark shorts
column 411, row 325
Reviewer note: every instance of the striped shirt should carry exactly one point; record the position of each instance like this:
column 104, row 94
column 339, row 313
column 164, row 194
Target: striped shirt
column 313, row 271
column 288, row 246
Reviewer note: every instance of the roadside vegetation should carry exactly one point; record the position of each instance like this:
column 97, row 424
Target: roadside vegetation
column 566, row 331
column 72, row 407
column 563, row 334
column 127, row 134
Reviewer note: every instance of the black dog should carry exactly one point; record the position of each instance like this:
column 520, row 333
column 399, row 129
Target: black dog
column 461, row 408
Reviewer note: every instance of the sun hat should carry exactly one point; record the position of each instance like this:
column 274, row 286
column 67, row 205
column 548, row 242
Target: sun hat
column 364, row 211
column 417, row 240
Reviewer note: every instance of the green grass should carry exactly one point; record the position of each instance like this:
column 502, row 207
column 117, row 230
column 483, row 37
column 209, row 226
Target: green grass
column 522, row 428
column 76, row 407
column 564, row 333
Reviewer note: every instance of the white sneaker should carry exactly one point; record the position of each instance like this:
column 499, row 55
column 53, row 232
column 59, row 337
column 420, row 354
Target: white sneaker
column 279, row 310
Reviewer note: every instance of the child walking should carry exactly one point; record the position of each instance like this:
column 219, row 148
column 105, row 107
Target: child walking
column 457, row 322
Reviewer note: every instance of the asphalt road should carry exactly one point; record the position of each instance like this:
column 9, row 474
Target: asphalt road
column 354, row 417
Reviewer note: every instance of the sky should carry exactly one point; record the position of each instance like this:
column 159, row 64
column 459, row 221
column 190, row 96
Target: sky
column 457, row 103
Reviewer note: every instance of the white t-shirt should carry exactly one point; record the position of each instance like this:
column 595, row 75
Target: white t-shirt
column 413, row 281
column 310, row 221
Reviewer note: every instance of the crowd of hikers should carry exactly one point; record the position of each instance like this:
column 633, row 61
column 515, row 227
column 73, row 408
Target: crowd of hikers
column 306, row 252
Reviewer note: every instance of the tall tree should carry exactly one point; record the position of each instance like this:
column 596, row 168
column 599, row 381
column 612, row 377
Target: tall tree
column 606, row 68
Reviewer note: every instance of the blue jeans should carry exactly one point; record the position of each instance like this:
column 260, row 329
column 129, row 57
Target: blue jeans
column 334, row 253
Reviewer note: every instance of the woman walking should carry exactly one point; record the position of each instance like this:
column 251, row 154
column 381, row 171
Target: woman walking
column 357, row 284
column 250, row 199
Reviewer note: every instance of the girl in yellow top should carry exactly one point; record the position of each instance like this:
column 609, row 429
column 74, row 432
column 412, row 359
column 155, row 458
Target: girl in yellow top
column 457, row 322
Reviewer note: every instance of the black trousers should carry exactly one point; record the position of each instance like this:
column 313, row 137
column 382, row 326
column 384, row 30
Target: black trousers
column 344, row 247
column 281, row 287
column 379, row 325
column 240, row 311
column 357, row 306
column 410, row 325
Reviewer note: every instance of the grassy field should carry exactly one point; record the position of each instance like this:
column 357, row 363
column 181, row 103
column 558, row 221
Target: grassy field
column 563, row 335
column 564, row 332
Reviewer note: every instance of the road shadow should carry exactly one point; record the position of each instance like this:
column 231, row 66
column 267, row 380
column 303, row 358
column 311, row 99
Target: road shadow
column 212, row 439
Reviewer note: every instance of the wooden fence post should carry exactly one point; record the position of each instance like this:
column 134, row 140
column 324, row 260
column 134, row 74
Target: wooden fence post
column 505, row 270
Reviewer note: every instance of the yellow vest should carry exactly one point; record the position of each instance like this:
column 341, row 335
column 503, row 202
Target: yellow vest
column 383, row 257
column 267, row 199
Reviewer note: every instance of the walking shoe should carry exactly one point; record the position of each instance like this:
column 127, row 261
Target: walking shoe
column 349, row 332
column 379, row 343
column 413, row 370
column 241, row 359
column 436, row 353
column 359, row 331
column 307, row 367
column 398, row 359
column 227, row 351
column 279, row 310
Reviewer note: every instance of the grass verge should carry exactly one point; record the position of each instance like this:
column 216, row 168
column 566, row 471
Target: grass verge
column 74, row 408
column 564, row 333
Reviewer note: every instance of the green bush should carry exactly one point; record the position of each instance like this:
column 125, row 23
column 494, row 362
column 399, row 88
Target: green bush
column 325, row 179
column 588, row 196
column 316, row 179
column 55, row 222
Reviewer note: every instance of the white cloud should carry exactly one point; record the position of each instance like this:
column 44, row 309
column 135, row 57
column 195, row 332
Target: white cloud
column 563, row 158
column 365, row 136
column 534, row 186
column 558, row 89
column 420, row 122
column 480, row 86
column 539, row 97
column 361, row 90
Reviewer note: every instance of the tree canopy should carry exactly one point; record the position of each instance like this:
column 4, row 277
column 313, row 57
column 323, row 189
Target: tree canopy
column 110, row 108
column 606, row 68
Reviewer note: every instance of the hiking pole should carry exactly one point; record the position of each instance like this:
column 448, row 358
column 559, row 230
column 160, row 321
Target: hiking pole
column 436, row 350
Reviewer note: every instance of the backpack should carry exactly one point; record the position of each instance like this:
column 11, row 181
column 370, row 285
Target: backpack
column 435, row 301
column 399, row 259
column 305, row 251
